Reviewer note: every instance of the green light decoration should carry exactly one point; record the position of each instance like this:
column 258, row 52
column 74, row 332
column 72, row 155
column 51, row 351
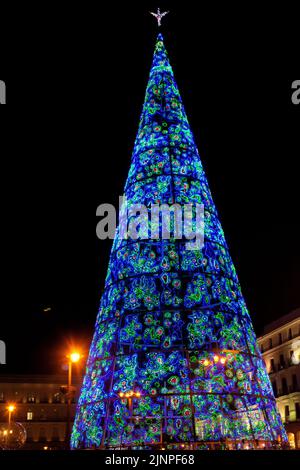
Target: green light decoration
column 173, row 326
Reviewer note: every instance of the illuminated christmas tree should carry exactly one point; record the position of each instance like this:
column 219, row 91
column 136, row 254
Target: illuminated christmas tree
column 174, row 360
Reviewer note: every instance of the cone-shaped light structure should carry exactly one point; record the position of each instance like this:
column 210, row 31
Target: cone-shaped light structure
column 174, row 357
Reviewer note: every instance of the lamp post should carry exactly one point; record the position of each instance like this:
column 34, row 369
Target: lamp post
column 11, row 408
column 73, row 358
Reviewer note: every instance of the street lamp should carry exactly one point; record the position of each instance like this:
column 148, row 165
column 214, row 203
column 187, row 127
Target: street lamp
column 11, row 408
column 73, row 358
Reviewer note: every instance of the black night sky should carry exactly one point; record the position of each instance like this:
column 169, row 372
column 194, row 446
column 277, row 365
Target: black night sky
column 75, row 87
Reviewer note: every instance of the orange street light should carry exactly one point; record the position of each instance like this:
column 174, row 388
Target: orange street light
column 216, row 358
column 11, row 408
column 206, row 362
column 73, row 357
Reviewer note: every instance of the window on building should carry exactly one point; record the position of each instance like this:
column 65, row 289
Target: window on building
column 280, row 338
column 262, row 348
column 31, row 399
column 295, row 383
column 284, row 386
column 29, row 416
column 43, row 416
column 2, row 397
column 42, row 437
column 290, row 334
column 287, row 411
column 270, row 343
column 56, row 398
column 55, row 434
column 297, row 406
column 272, row 366
column 281, row 361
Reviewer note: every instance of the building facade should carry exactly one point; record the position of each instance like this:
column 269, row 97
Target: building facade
column 40, row 406
column 280, row 347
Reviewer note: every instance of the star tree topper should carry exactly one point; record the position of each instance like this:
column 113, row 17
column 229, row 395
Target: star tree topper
column 159, row 16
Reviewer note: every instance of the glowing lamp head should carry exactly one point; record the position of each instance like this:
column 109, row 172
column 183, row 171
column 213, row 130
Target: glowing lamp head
column 11, row 408
column 75, row 357
column 138, row 394
column 223, row 360
column 206, row 362
column 216, row 358
column 121, row 394
column 127, row 395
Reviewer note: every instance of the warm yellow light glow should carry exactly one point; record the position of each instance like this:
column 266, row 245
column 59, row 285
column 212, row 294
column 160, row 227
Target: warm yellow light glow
column 121, row 394
column 138, row 394
column 296, row 355
column 130, row 393
column 127, row 395
column 45, row 448
column 206, row 362
column 11, row 408
column 223, row 360
column 216, row 358
column 75, row 357
column 5, row 433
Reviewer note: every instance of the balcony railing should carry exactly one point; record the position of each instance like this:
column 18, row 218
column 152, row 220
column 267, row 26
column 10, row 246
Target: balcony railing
column 287, row 391
column 268, row 347
column 281, row 366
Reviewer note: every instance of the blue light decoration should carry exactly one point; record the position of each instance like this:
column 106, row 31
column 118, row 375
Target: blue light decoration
column 174, row 360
